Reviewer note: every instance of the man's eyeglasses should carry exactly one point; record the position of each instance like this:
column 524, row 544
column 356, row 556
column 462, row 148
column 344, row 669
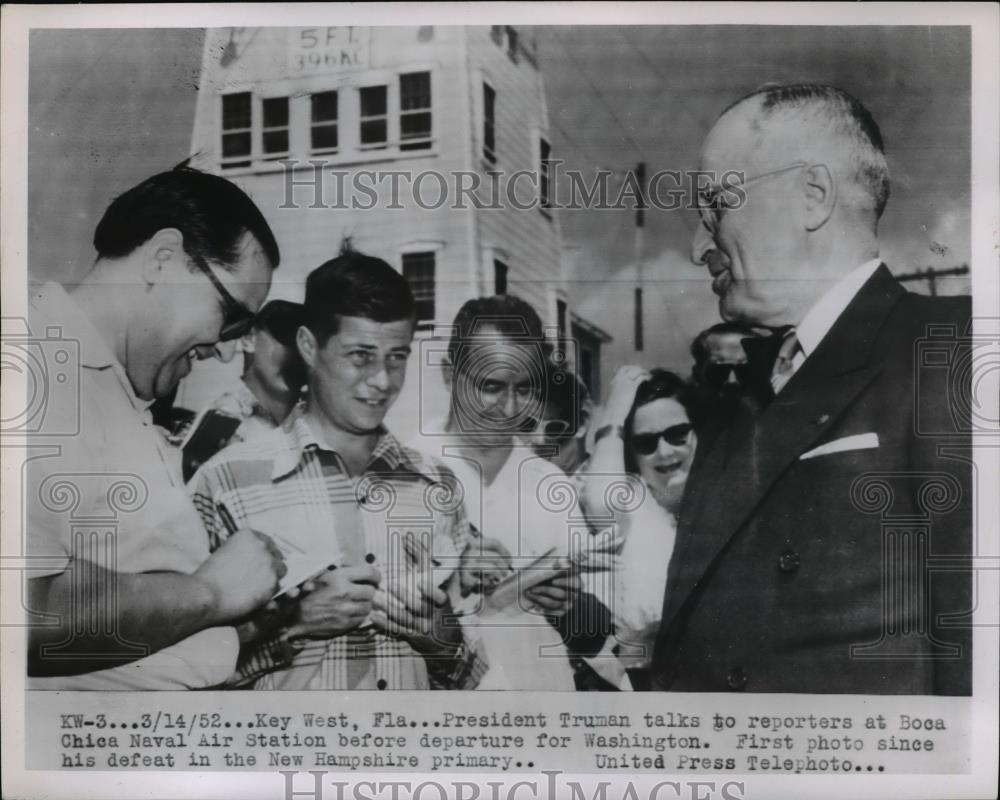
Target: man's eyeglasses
column 718, row 198
column 646, row 443
column 237, row 318
column 550, row 429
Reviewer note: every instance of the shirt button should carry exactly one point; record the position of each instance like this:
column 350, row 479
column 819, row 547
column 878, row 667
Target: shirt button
column 789, row 561
column 736, row 679
column 381, row 684
column 370, row 558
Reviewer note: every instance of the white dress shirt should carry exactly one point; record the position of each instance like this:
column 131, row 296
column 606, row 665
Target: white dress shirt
column 824, row 313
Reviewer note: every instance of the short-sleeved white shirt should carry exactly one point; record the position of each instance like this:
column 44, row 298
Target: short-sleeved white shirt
column 108, row 492
column 530, row 507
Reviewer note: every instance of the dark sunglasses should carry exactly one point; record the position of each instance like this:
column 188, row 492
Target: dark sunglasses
column 237, row 319
column 717, row 375
column 646, row 443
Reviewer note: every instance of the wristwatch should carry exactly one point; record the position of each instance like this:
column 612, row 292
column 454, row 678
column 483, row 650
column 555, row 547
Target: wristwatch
column 607, row 430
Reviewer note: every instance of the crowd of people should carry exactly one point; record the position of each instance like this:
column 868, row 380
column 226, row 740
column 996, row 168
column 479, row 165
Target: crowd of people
column 697, row 531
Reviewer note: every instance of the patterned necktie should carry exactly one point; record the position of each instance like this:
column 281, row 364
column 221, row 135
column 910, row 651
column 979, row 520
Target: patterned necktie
column 784, row 366
column 762, row 353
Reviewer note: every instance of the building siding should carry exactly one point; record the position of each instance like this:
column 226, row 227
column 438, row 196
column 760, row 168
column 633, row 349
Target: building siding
column 465, row 241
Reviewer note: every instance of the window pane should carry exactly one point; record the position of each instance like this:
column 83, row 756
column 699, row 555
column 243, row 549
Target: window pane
column 489, row 101
column 236, row 111
column 235, row 144
column 373, row 102
column 276, row 141
column 373, row 132
column 415, row 91
column 275, row 112
column 415, row 126
column 545, row 178
column 418, row 269
column 489, row 137
column 499, row 277
column 415, row 114
column 324, row 137
column 512, row 42
column 324, row 106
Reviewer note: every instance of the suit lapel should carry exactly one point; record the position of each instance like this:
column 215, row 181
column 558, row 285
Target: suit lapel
column 744, row 462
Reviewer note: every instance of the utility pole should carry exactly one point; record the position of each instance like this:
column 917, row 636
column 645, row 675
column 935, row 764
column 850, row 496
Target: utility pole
column 640, row 221
column 931, row 275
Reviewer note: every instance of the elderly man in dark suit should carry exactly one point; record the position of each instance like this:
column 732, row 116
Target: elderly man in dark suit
column 823, row 537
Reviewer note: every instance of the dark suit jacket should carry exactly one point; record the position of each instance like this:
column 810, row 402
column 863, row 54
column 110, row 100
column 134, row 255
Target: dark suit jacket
column 845, row 572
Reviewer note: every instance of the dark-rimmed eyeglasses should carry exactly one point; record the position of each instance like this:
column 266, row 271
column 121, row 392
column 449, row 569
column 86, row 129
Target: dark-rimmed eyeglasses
column 646, row 443
column 237, row 319
column 718, row 198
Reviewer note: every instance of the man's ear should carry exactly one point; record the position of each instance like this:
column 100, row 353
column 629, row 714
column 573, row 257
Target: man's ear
column 163, row 249
column 308, row 347
column 248, row 342
column 820, row 195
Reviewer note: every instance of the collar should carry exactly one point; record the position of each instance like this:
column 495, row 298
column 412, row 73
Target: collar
column 820, row 318
column 54, row 304
column 301, row 438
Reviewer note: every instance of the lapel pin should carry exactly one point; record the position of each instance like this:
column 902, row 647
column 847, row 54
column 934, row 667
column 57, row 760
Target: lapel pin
column 822, row 419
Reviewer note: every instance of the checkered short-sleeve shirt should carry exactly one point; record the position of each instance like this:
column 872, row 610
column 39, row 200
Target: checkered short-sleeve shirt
column 288, row 484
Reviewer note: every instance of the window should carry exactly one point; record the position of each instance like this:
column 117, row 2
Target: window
column 489, row 122
column 274, row 141
column 415, row 111
column 544, row 176
column 562, row 345
column 374, row 119
column 323, row 130
column 418, row 269
column 499, row 277
column 588, row 354
column 236, row 124
column 512, row 43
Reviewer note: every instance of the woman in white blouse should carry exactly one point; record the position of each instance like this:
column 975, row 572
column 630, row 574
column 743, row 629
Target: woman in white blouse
column 644, row 445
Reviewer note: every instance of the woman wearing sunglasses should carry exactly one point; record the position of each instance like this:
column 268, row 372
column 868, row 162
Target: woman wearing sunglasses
column 646, row 435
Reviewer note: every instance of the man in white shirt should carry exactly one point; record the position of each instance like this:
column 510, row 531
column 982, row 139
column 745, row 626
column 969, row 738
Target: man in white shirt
column 122, row 592
column 496, row 375
column 787, row 556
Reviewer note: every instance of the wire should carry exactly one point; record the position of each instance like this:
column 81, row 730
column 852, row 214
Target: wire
column 684, row 108
column 600, row 97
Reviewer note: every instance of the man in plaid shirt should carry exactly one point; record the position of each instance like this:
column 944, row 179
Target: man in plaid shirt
column 371, row 531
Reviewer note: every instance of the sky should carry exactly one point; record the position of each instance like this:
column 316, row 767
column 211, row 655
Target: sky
column 110, row 107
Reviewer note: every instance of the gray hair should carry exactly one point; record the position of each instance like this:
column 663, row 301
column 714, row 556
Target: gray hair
column 836, row 113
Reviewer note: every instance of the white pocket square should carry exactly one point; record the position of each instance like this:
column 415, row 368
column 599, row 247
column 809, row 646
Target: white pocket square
column 860, row 441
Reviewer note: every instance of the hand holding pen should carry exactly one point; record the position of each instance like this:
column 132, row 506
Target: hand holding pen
column 243, row 573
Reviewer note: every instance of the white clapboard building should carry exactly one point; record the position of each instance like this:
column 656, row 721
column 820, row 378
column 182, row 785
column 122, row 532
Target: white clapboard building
column 425, row 146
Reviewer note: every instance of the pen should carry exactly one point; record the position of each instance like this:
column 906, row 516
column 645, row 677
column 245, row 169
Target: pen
column 227, row 519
